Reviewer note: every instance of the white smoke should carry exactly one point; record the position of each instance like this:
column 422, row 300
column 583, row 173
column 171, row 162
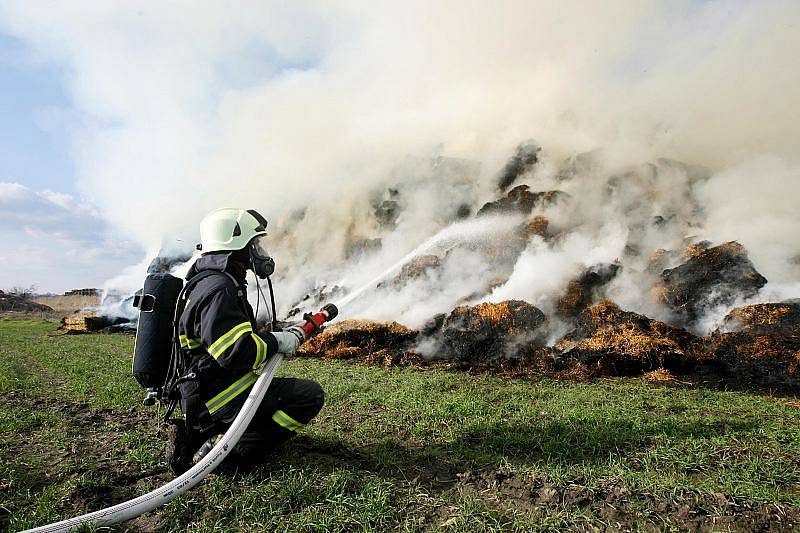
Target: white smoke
column 315, row 108
column 758, row 204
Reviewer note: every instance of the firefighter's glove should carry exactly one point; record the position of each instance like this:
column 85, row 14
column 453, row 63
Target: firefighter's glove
column 289, row 340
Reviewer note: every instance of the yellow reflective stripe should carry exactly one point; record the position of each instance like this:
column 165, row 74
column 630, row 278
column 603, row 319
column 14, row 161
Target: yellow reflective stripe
column 225, row 341
column 261, row 350
column 186, row 342
column 286, row 421
column 218, row 402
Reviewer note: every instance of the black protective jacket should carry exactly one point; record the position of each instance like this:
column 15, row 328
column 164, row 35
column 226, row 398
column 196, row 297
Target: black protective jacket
column 218, row 342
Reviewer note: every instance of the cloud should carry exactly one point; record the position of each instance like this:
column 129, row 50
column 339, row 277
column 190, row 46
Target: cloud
column 48, row 215
column 56, row 241
column 10, row 192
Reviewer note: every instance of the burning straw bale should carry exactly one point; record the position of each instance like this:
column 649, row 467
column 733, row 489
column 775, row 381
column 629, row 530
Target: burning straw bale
column 536, row 226
column 658, row 261
column 420, row 267
column 520, row 199
column 709, row 278
column 489, row 332
column 696, row 249
column 386, row 213
column 356, row 248
column 581, row 292
column 503, row 253
column 91, row 322
column 387, row 208
column 385, row 343
column 523, row 160
column 760, row 345
column 765, row 319
column 579, row 165
column 621, row 342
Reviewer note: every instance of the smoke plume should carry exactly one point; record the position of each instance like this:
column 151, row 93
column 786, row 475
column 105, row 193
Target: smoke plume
column 319, row 114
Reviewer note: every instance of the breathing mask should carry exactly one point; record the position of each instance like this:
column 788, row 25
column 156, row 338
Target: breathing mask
column 263, row 265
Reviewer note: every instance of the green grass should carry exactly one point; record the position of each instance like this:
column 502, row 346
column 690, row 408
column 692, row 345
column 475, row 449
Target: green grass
column 384, row 452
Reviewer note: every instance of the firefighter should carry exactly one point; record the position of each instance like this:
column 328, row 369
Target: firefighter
column 220, row 345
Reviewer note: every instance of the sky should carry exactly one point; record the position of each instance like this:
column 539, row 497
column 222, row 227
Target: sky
column 52, row 236
column 123, row 123
column 54, row 233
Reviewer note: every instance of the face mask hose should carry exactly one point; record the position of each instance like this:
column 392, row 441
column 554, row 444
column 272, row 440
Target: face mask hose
column 272, row 303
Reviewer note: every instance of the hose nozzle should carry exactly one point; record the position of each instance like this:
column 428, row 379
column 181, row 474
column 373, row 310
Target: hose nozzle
column 331, row 310
column 313, row 324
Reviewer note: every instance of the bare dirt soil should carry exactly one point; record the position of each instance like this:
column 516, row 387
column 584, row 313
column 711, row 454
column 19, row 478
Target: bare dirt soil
column 624, row 509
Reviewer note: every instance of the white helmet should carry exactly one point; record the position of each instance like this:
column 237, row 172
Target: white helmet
column 230, row 228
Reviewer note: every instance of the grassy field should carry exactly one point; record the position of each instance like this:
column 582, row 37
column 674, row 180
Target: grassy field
column 401, row 449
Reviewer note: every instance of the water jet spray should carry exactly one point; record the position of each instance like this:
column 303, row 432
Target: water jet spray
column 451, row 235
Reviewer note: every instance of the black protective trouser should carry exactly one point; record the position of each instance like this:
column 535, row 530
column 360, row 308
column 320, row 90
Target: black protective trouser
column 288, row 405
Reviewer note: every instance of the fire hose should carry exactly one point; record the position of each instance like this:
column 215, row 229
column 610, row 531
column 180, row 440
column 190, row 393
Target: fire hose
column 189, row 479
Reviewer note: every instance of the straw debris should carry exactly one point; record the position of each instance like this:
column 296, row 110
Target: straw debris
column 629, row 342
column 386, row 342
column 760, row 344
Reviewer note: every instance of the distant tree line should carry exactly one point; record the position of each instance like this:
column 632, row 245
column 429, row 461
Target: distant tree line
column 25, row 293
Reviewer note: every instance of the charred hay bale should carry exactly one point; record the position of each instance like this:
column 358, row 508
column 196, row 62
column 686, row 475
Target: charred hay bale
column 359, row 247
column 387, row 208
column 387, row 212
column 418, row 268
column 489, row 332
column 658, row 261
column 536, row 226
column 386, row 343
column 625, row 343
column 764, row 319
column 91, row 322
column 523, row 160
column 520, row 199
column 15, row 302
column 660, row 221
column 581, row 292
column 696, row 249
column 76, row 323
column 579, row 165
column 760, row 345
column 505, row 252
column 759, row 360
column 712, row 277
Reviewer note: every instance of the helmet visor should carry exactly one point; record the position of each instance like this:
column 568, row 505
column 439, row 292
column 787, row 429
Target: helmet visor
column 260, row 247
